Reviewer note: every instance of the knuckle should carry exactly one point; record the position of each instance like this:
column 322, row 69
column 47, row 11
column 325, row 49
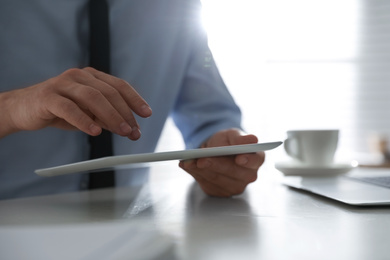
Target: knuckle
column 73, row 72
column 79, row 120
column 45, row 92
column 67, row 106
column 114, row 116
column 111, row 93
column 52, row 85
column 92, row 93
column 69, row 110
column 122, row 83
column 89, row 69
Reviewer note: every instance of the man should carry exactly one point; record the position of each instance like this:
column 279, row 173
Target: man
column 50, row 100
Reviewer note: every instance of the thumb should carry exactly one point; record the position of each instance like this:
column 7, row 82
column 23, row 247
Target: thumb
column 243, row 139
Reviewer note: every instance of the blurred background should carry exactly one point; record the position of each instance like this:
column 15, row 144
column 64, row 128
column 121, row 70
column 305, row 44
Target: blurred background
column 304, row 64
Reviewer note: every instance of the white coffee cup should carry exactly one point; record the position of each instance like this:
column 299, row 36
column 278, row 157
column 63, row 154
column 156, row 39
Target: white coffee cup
column 312, row 147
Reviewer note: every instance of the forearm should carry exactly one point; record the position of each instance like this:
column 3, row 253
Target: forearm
column 83, row 99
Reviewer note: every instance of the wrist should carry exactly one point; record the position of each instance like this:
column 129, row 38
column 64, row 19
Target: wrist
column 7, row 126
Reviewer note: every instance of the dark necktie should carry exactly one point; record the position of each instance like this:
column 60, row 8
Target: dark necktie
column 100, row 146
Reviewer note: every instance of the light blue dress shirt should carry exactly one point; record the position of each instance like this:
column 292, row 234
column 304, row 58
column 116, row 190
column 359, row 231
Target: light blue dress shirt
column 158, row 46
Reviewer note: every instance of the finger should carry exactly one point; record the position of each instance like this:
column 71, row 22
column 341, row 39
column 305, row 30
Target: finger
column 117, row 102
column 188, row 164
column 210, row 188
column 236, row 138
column 62, row 124
column 110, row 93
column 230, row 137
column 94, row 101
column 251, row 161
column 226, row 166
column 129, row 94
column 218, row 185
column 67, row 110
column 226, row 183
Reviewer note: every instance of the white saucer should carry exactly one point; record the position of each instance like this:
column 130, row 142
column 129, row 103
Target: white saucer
column 295, row 168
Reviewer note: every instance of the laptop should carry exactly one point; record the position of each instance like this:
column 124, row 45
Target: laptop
column 362, row 186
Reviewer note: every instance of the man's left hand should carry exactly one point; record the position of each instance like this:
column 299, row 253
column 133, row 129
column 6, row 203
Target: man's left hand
column 225, row 176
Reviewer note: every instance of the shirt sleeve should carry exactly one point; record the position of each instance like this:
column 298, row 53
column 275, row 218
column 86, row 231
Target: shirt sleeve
column 204, row 105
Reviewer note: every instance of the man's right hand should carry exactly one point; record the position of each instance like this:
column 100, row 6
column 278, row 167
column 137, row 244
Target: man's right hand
column 84, row 99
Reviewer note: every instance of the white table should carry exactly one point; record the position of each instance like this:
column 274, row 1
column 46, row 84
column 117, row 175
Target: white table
column 268, row 221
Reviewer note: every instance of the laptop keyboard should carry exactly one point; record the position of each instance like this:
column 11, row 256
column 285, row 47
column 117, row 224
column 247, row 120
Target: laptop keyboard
column 383, row 181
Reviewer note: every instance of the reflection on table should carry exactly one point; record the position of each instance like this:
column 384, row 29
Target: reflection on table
column 268, row 221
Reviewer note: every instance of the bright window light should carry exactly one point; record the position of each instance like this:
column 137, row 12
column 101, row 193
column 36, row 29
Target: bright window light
column 289, row 64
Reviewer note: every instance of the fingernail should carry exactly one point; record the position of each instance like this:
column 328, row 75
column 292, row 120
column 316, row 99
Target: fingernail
column 125, row 128
column 242, row 160
column 95, row 130
column 188, row 164
column 136, row 133
column 146, row 110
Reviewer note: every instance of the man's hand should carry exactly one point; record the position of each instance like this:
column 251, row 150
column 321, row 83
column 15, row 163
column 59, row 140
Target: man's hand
column 228, row 175
column 84, row 99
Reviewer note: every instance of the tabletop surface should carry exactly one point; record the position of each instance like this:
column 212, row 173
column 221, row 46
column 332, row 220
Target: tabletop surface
column 267, row 221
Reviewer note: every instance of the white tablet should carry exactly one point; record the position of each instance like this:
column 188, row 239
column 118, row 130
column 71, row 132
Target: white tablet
column 112, row 161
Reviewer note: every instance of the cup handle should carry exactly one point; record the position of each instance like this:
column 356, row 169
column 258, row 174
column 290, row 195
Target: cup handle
column 289, row 143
